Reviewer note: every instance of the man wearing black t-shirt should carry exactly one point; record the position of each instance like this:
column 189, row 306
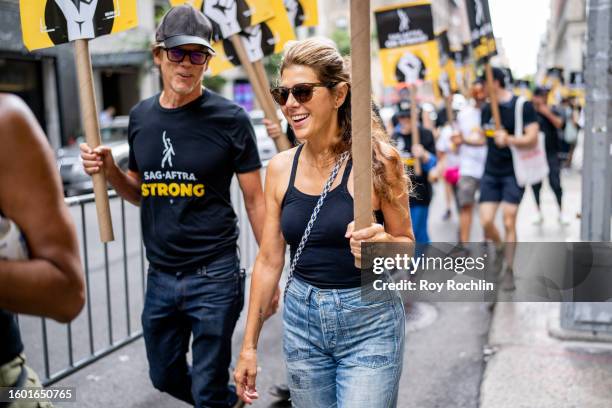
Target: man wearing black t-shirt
column 498, row 183
column 425, row 151
column 186, row 144
column 551, row 122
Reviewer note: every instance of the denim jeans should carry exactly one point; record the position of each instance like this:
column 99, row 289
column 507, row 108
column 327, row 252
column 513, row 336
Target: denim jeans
column 205, row 303
column 342, row 350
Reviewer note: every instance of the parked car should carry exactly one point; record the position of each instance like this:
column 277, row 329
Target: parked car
column 70, row 165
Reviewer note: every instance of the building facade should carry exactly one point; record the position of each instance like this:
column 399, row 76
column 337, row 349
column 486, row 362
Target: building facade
column 564, row 44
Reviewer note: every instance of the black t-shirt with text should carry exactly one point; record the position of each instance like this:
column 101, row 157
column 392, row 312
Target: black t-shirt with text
column 499, row 160
column 186, row 158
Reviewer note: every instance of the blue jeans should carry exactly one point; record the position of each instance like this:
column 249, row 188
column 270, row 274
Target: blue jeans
column 205, row 303
column 419, row 215
column 342, row 351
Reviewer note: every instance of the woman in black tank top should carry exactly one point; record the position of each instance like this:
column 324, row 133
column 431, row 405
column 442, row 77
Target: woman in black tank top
column 335, row 340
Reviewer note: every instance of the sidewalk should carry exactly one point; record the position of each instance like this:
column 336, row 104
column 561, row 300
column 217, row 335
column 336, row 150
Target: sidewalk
column 527, row 367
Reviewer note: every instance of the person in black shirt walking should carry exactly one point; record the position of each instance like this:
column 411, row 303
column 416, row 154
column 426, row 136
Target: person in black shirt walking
column 498, row 183
column 551, row 122
column 186, row 144
column 327, row 363
column 425, row 151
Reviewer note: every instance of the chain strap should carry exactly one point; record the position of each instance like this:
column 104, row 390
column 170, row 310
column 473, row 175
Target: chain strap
column 314, row 215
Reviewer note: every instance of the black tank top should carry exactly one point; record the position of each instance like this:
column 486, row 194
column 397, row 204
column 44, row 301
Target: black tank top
column 326, row 261
column 10, row 340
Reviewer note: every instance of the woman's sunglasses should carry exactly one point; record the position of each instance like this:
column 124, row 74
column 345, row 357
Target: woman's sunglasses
column 177, row 54
column 301, row 92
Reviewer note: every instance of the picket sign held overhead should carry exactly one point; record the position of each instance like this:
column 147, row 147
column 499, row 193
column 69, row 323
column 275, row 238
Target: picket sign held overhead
column 409, row 52
column 229, row 20
column 46, row 23
column 483, row 46
column 447, row 82
column 408, row 48
column 261, row 40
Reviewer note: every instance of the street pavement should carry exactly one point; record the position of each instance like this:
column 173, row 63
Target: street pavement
column 443, row 363
column 529, row 366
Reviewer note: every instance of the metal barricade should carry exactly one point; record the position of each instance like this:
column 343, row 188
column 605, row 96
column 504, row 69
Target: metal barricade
column 115, row 294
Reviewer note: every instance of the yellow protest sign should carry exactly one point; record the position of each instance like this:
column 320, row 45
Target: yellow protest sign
column 266, row 38
column 408, row 48
column 302, row 13
column 447, row 80
column 46, row 23
column 229, row 17
column 196, row 4
column 481, row 30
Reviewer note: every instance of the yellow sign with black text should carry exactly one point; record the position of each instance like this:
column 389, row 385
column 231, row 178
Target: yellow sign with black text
column 408, row 48
column 266, row 38
column 46, row 23
column 229, row 17
column 481, row 29
column 302, row 13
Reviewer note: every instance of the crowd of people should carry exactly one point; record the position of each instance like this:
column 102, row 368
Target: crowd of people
column 334, row 340
column 474, row 160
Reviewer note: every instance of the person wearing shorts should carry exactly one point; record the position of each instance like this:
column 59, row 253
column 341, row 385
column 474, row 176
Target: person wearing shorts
column 472, row 155
column 498, row 184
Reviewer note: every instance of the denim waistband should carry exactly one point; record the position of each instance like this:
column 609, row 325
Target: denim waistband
column 222, row 260
column 305, row 291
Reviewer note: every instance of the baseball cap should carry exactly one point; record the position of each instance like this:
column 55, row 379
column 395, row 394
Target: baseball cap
column 183, row 25
column 403, row 108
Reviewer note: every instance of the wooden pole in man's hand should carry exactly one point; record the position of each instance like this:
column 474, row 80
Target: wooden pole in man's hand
column 492, row 96
column 89, row 115
column 263, row 95
column 414, row 123
column 361, row 113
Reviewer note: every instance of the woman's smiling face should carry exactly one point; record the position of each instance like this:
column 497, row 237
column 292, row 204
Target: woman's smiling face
column 314, row 116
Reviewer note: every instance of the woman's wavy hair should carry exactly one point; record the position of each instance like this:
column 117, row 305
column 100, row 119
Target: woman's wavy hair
column 322, row 56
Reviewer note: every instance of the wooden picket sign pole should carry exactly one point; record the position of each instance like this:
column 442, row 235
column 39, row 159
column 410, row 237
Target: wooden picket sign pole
column 89, row 115
column 448, row 101
column 263, row 95
column 282, row 143
column 361, row 113
column 414, row 123
column 493, row 96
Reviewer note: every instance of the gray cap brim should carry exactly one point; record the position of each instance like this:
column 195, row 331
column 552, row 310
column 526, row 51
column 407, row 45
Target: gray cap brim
column 178, row 40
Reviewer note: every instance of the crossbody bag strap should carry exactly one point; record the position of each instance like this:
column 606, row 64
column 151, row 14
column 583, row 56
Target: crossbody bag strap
column 518, row 117
column 313, row 216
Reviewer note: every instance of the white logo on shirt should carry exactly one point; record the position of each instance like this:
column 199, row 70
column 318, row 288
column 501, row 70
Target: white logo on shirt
column 168, row 151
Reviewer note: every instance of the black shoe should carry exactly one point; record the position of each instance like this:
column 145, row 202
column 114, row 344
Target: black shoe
column 281, row 391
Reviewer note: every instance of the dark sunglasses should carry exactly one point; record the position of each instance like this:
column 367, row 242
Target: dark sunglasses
column 301, row 92
column 177, row 54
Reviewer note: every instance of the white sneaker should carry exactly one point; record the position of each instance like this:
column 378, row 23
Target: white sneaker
column 564, row 219
column 537, row 218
